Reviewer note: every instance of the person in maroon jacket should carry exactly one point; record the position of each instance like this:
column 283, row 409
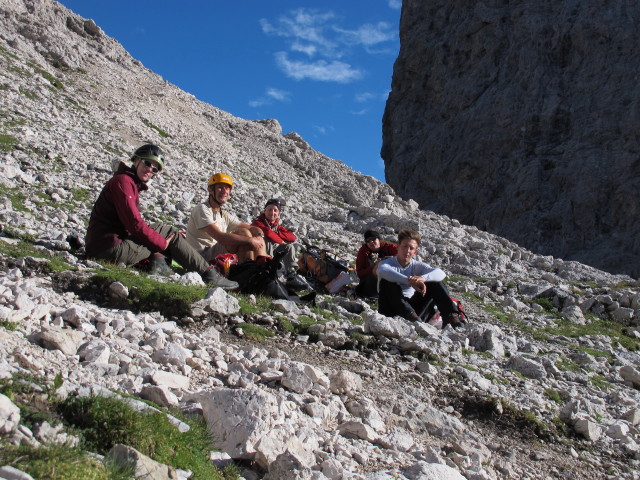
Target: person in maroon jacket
column 277, row 238
column 371, row 252
column 117, row 232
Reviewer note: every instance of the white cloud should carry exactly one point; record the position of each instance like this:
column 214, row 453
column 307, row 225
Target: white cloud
column 277, row 94
column 320, row 130
column 360, row 112
column 366, row 96
column 369, row 35
column 272, row 94
column 395, row 4
column 321, row 70
column 318, row 35
column 307, row 29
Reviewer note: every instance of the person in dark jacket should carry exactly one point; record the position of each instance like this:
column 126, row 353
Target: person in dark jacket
column 277, row 238
column 118, row 233
column 371, row 252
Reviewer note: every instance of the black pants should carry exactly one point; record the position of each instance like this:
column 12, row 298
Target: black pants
column 368, row 286
column 391, row 302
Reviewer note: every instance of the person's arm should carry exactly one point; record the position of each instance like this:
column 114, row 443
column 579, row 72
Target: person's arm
column 428, row 273
column 387, row 272
column 268, row 233
column 287, row 236
column 232, row 239
column 123, row 194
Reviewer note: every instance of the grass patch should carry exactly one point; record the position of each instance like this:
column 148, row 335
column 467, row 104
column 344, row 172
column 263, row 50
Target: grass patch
column 567, row 365
column 255, row 332
column 59, row 462
column 104, row 421
column 7, row 142
column 146, row 294
column 600, row 382
column 30, row 94
column 553, row 395
column 360, row 338
column 248, row 307
column 613, row 330
column 8, row 325
column 545, row 303
column 161, row 132
column 80, row 194
column 26, row 249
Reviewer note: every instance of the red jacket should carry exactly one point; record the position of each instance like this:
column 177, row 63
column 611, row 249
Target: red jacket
column 274, row 232
column 116, row 216
column 365, row 257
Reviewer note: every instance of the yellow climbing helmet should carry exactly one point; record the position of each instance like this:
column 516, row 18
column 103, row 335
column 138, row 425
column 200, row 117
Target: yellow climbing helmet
column 221, row 178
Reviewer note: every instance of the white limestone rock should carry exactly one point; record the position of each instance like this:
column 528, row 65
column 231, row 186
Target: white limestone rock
column 9, row 415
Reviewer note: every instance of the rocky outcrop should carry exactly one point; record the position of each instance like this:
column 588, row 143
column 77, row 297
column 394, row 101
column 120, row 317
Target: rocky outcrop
column 521, row 118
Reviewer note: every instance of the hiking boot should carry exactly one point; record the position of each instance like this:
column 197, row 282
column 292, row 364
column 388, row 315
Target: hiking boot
column 296, row 282
column 213, row 278
column 412, row 317
column 159, row 267
column 309, row 298
column 454, row 319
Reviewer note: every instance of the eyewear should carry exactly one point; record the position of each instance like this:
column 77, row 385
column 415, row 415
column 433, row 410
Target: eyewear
column 149, row 164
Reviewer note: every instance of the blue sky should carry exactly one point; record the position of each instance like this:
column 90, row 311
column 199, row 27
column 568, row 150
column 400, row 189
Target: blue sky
column 321, row 68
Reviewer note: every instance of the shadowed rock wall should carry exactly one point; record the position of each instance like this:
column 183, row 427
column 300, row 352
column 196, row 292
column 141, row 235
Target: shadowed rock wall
column 522, row 118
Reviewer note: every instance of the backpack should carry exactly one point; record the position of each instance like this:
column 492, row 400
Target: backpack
column 320, row 265
column 433, row 315
column 259, row 278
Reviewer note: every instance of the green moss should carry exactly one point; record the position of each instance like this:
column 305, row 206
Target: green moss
column 598, row 326
column 80, row 194
column 565, row 364
column 360, row 338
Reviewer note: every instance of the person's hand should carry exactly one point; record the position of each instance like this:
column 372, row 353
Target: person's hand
column 256, row 242
column 169, row 238
column 417, row 283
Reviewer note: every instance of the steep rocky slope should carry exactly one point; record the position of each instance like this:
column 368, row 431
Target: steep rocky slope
column 520, row 118
column 552, row 347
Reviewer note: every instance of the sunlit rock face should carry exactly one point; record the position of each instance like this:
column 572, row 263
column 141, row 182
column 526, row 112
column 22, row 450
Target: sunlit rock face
column 522, row 118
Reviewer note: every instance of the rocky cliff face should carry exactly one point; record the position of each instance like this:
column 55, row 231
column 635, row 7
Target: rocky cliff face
column 522, row 118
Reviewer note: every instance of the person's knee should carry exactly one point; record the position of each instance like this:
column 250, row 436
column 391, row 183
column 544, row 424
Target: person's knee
column 255, row 231
column 245, row 232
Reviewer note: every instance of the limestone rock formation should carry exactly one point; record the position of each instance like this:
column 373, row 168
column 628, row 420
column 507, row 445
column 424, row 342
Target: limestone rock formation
column 522, row 118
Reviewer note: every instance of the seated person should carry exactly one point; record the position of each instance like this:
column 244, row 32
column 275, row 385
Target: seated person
column 277, row 238
column 371, row 252
column 213, row 230
column 407, row 286
column 118, row 233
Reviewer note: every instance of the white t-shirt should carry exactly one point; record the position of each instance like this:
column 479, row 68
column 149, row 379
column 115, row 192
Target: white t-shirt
column 203, row 215
column 391, row 270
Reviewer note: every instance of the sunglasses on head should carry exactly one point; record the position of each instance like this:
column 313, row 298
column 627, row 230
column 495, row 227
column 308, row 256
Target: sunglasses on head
column 149, row 164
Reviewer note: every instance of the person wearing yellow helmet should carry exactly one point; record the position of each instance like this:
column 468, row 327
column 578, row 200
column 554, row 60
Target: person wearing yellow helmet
column 213, row 230
column 118, row 233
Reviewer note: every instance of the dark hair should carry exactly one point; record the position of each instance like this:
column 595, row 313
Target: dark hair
column 410, row 234
column 371, row 234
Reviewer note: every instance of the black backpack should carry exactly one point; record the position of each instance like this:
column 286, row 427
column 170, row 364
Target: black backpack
column 259, row 278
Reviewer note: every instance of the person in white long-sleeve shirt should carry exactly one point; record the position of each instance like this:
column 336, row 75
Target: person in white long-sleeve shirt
column 410, row 288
